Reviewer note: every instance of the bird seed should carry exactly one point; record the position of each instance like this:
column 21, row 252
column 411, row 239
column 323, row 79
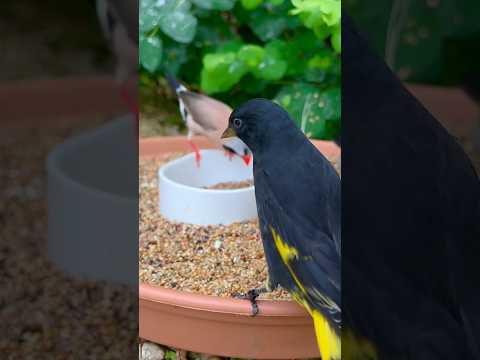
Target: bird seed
column 230, row 185
column 212, row 260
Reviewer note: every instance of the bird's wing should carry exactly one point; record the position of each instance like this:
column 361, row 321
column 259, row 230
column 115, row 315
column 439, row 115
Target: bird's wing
column 212, row 115
column 311, row 259
column 311, row 263
column 304, row 225
column 307, row 186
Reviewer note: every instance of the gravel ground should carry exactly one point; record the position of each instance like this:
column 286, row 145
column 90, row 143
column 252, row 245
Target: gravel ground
column 46, row 314
column 213, row 260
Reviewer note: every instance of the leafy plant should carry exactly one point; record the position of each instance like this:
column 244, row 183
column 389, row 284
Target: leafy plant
column 286, row 50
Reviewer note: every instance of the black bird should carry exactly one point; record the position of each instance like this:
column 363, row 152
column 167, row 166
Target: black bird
column 298, row 200
column 410, row 218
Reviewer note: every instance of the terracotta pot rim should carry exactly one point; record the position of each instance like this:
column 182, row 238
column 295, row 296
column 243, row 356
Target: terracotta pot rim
column 216, row 304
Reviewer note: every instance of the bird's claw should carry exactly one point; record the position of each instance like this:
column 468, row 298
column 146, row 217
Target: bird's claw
column 252, row 296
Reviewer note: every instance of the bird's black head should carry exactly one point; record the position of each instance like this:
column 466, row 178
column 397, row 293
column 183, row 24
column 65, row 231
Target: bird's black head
column 259, row 123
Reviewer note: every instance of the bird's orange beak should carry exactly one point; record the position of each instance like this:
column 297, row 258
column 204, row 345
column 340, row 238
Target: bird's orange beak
column 229, row 132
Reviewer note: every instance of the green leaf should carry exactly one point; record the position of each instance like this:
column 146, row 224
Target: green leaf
column 319, row 66
column 321, row 16
column 269, row 22
column 211, row 31
column 251, row 55
column 299, row 50
column 267, row 28
column 279, row 47
column 169, row 6
column 322, row 31
column 251, row 4
column 329, row 104
column 253, row 86
column 230, row 46
column 221, row 5
column 174, row 55
column 315, row 12
column 271, row 69
column 315, row 111
column 212, row 61
column 323, row 60
column 180, row 26
column 149, row 17
column 221, row 71
column 150, row 52
column 337, row 39
column 273, row 66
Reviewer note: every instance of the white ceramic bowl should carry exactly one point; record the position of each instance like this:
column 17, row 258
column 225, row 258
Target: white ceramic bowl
column 92, row 204
column 183, row 198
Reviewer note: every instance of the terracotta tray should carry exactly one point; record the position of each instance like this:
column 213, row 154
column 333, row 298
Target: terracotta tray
column 223, row 326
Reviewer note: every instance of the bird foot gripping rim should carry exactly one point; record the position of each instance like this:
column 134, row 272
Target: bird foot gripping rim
column 252, row 296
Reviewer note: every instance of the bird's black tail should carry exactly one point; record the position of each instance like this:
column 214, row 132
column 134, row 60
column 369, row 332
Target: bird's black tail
column 174, row 84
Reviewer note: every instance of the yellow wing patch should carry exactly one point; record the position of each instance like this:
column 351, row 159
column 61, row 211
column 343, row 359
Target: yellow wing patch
column 328, row 341
column 287, row 252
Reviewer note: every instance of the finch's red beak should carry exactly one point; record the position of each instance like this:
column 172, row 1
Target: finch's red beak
column 247, row 159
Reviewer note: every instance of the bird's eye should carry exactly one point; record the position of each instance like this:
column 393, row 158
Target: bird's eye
column 237, row 123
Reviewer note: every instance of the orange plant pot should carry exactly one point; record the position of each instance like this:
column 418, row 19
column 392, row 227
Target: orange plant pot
column 223, row 326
